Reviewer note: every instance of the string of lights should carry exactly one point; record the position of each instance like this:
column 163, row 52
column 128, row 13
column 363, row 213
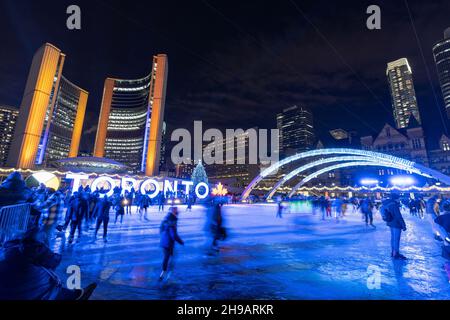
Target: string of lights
column 433, row 188
column 64, row 173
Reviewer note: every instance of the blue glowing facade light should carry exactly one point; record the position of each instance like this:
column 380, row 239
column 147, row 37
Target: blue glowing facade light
column 355, row 158
column 313, row 164
column 402, row 181
column 335, row 151
column 368, row 182
column 345, row 165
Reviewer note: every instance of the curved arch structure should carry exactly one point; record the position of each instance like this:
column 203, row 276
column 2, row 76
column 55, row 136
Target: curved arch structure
column 354, row 157
column 345, row 165
column 311, row 165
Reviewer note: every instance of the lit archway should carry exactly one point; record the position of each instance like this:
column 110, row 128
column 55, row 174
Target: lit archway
column 349, row 164
column 374, row 157
column 311, row 165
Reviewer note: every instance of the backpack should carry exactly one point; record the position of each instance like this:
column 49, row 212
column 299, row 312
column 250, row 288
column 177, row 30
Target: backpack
column 386, row 214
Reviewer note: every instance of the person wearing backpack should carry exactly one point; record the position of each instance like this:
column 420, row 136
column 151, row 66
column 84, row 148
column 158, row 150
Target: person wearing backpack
column 394, row 220
column 432, row 208
column 366, row 209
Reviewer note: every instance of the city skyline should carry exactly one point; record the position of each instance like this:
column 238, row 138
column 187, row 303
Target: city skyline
column 358, row 74
column 297, row 150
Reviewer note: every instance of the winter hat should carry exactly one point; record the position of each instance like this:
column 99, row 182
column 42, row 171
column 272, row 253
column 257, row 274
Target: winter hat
column 14, row 181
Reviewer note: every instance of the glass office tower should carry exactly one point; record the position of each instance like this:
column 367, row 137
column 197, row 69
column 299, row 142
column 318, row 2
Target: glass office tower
column 403, row 95
column 8, row 119
column 296, row 128
column 441, row 52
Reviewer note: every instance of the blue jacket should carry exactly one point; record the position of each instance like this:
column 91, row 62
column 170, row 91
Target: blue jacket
column 366, row 206
column 102, row 208
column 444, row 221
column 430, row 204
column 77, row 209
column 168, row 232
column 26, row 273
column 397, row 219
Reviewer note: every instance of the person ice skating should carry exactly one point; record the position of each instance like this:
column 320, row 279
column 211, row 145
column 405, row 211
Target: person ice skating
column 216, row 225
column 220, row 233
column 280, row 209
column 189, row 203
column 328, row 207
column 119, row 207
column 432, row 209
column 338, row 207
column 77, row 211
column 345, row 203
column 323, row 206
column 161, row 201
column 420, row 208
column 101, row 211
column 144, row 202
column 84, row 203
column 51, row 210
column 390, row 212
column 437, row 207
column 128, row 201
column 367, row 210
column 168, row 237
column 443, row 222
column 70, row 198
column 412, row 207
column 93, row 198
column 27, row 271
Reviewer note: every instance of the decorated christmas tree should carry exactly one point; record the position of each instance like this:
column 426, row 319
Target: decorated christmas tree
column 199, row 174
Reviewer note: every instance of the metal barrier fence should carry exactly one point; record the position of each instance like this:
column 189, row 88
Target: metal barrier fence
column 13, row 220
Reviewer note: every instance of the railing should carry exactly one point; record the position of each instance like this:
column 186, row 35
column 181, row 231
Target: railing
column 13, row 220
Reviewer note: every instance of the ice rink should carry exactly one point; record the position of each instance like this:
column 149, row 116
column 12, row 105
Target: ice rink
column 264, row 257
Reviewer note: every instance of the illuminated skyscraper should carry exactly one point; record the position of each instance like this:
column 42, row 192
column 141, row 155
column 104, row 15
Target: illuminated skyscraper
column 61, row 138
column 241, row 170
column 296, row 130
column 51, row 113
column 131, row 119
column 403, row 95
column 8, row 119
column 441, row 52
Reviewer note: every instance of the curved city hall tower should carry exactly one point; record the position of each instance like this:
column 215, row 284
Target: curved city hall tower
column 51, row 114
column 131, row 119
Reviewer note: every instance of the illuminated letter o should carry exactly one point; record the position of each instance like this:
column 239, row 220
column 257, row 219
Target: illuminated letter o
column 148, row 182
column 198, row 186
column 111, row 182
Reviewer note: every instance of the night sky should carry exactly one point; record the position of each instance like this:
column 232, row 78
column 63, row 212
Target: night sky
column 235, row 64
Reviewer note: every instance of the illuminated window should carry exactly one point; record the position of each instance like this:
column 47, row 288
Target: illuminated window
column 445, row 146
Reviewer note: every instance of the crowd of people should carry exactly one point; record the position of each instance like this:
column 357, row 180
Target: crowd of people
column 27, row 270
column 52, row 212
column 435, row 209
column 29, row 263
